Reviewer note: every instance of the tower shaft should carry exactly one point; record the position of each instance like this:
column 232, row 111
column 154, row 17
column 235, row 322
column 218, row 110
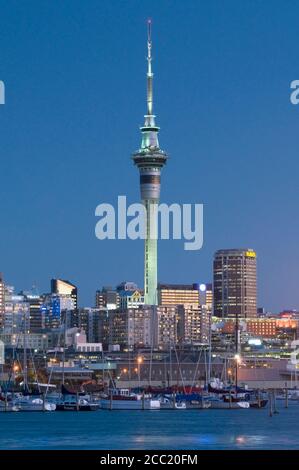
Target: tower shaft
column 150, row 253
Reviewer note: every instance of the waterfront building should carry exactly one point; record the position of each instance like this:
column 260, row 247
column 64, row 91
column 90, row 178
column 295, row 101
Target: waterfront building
column 288, row 328
column 37, row 342
column 264, row 327
column 77, row 339
column 65, row 288
column 178, row 294
column 150, row 160
column 234, row 284
column 289, row 314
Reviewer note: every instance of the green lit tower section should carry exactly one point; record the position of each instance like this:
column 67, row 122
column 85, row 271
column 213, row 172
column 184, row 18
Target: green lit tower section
column 150, row 159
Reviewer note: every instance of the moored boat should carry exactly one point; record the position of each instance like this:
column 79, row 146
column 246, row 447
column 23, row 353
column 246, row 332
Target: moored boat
column 74, row 404
column 123, row 399
column 27, row 403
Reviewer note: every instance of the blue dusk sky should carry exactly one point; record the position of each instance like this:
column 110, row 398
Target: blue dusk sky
column 74, row 73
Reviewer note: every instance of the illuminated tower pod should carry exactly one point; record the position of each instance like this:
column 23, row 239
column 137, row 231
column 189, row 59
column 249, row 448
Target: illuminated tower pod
column 150, row 159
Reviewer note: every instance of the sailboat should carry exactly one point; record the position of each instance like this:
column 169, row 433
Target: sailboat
column 27, row 401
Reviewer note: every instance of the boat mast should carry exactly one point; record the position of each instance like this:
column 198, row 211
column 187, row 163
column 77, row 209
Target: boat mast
column 237, row 351
column 63, row 352
column 25, row 370
column 210, row 351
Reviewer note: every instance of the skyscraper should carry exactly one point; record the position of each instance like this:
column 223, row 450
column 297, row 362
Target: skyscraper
column 62, row 287
column 234, row 283
column 107, row 298
column 150, row 159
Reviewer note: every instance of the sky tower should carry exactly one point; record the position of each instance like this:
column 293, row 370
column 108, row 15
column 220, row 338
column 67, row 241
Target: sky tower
column 150, row 159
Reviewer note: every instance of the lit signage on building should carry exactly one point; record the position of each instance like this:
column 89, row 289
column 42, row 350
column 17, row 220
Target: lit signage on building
column 250, row 254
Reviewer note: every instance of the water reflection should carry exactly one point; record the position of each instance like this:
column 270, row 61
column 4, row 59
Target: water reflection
column 213, row 429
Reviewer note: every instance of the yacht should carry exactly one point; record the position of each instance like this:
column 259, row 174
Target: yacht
column 29, row 403
column 123, row 399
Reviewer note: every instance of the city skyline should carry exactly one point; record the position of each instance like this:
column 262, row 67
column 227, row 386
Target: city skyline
column 229, row 128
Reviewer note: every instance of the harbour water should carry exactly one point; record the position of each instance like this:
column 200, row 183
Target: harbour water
column 146, row 430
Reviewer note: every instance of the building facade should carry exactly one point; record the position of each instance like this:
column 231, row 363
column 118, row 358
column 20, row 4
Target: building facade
column 107, row 298
column 235, row 283
column 16, row 308
column 131, row 299
column 167, row 318
column 65, row 288
column 178, row 294
column 193, row 325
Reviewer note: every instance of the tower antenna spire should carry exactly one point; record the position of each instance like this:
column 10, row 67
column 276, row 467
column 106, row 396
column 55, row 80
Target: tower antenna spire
column 149, row 69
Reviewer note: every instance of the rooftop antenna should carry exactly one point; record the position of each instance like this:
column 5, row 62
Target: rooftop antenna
column 149, row 69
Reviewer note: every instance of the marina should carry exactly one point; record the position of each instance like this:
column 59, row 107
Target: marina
column 156, row 310
column 146, row 399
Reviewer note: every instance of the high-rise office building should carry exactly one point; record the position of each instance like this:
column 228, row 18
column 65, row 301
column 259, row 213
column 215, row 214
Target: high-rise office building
column 66, row 288
column 87, row 320
column 54, row 306
column 193, row 324
column 16, row 307
column 107, row 298
column 132, row 328
column 235, row 286
column 150, row 159
column 35, row 320
column 178, row 294
column 167, row 319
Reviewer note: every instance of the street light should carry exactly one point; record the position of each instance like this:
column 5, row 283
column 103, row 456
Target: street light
column 139, row 362
column 238, row 358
